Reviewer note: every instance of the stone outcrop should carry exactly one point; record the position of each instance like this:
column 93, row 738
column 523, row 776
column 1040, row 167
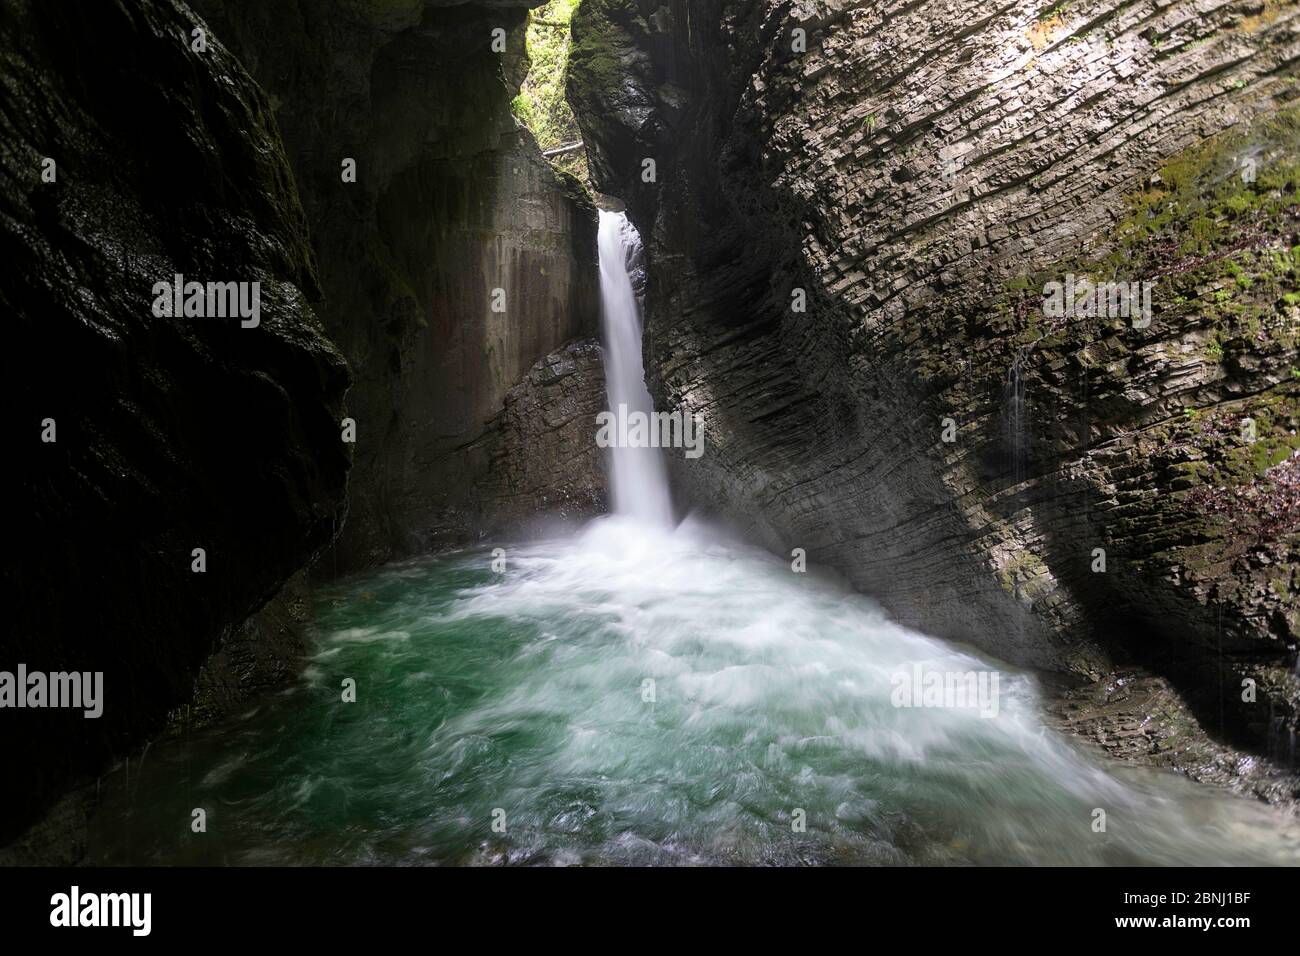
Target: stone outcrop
column 542, row 461
column 921, row 171
column 452, row 202
column 260, row 655
column 168, row 434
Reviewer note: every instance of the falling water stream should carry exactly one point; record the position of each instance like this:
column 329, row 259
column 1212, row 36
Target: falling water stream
column 637, row 480
column 644, row 693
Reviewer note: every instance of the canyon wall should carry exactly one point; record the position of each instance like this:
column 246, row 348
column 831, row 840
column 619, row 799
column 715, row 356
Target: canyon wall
column 127, row 157
column 453, row 215
column 851, row 218
column 455, row 272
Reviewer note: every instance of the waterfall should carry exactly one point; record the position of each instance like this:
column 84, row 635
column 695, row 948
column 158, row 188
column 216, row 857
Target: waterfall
column 1013, row 394
column 637, row 479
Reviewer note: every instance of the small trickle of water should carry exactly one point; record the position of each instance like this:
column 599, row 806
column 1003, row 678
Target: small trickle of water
column 1014, row 419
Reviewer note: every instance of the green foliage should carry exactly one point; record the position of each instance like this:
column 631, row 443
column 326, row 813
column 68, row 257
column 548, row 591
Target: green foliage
column 1221, row 248
column 541, row 104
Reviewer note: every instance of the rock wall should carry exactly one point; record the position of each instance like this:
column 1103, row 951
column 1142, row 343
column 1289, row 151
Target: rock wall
column 169, row 434
column 921, row 171
column 543, row 464
column 452, row 201
column 260, row 655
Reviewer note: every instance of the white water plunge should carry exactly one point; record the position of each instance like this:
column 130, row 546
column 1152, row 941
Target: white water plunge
column 638, row 483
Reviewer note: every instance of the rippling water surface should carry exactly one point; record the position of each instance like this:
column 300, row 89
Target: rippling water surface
column 522, row 697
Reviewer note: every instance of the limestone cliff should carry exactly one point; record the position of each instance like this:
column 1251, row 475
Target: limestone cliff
column 457, row 260
column 1089, row 495
column 141, row 438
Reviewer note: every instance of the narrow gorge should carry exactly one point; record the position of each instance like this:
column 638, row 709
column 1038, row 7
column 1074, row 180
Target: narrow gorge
column 960, row 501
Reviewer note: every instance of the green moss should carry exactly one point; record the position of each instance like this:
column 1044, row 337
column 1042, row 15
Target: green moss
column 1052, row 11
column 541, row 103
column 594, row 51
column 576, row 188
column 1220, row 438
column 1219, row 247
column 1025, row 574
column 1229, row 192
column 602, row 67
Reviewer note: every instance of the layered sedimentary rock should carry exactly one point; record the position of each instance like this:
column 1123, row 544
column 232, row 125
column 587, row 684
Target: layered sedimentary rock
column 457, row 259
column 542, row 460
column 1081, row 493
column 171, row 471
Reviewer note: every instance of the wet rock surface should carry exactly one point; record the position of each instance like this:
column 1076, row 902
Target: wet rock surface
column 171, row 434
column 260, row 655
column 543, row 463
column 1141, row 718
column 921, row 171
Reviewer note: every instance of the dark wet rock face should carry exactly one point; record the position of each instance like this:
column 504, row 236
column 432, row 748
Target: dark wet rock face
column 171, row 433
column 452, row 202
column 542, row 461
column 260, row 655
column 922, row 171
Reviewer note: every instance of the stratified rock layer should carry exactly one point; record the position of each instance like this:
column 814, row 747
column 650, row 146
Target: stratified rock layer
column 543, row 460
column 454, row 215
column 921, row 171
column 171, row 434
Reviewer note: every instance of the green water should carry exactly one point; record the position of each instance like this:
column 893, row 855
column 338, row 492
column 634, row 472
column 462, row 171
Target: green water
column 521, row 697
